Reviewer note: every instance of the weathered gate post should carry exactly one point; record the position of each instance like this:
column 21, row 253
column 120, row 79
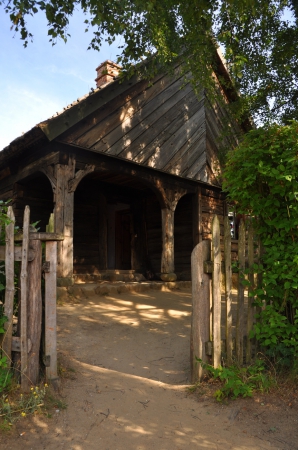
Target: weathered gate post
column 34, row 310
column 200, row 321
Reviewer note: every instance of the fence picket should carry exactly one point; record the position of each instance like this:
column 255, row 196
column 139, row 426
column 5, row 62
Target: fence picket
column 24, row 283
column 216, row 292
column 200, row 323
column 50, row 227
column 240, row 302
column 50, row 311
column 250, row 300
column 34, row 311
column 228, row 294
column 9, row 290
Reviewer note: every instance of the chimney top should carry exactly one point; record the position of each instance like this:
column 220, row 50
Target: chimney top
column 106, row 72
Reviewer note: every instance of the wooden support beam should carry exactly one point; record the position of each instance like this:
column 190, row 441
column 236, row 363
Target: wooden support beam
column 63, row 213
column 34, row 312
column 200, row 319
column 39, row 237
column 50, row 227
column 16, row 344
column 24, row 295
column 50, row 312
column 49, row 172
column 73, row 183
column 228, row 284
column 216, row 293
column 197, row 217
column 45, row 160
column 250, row 300
column 167, row 257
column 170, row 199
column 241, row 288
column 9, row 289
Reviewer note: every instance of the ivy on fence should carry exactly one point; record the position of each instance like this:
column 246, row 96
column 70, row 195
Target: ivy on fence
column 261, row 179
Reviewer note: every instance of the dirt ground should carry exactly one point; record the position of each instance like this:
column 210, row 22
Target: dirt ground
column 124, row 365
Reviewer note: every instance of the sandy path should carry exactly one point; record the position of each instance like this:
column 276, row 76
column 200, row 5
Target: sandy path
column 130, row 356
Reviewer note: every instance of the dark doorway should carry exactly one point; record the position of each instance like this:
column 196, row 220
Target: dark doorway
column 123, row 239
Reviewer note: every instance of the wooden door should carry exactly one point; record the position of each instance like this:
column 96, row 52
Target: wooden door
column 123, row 240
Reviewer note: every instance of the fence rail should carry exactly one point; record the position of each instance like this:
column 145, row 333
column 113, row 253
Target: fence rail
column 222, row 319
column 29, row 293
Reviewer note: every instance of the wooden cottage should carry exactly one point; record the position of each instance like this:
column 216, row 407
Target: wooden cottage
column 130, row 171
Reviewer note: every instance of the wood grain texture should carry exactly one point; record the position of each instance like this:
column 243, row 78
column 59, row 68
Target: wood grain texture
column 105, row 134
column 167, row 257
column 63, row 215
column 24, row 296
column 164, row 126
column 34, row 311
column 197, row 217
column 228, row 284
column 9, row 288
column 240, row 303
column 250, row 300
column 216, row 293
column 200, row 322
column 51, row 312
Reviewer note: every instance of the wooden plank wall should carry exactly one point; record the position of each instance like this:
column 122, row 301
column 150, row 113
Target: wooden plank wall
column 153, row 233
column 37, row 194
column 86, row 228
column 183, row 238
column 161, row 126
column 222, row 134
column 212, row 203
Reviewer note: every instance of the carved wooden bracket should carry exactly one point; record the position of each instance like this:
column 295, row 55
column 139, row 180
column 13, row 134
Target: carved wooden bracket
column 172, row 197
column 49, row 172
column 72, row 184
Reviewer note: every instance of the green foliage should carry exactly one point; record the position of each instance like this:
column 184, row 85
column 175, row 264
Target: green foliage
column 260, row 45
column 14, row 406
column 5, row 375
column 261, row 178
column 239, row 381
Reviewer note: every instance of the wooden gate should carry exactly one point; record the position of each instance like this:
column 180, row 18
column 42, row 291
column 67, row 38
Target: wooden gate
column 29, row 285
column 223, row 317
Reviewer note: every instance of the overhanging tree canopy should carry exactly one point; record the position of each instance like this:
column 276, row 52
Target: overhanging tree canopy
column 260, row 45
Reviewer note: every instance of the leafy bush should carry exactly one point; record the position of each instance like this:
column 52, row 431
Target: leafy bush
column 240, row 381
column 261, row 179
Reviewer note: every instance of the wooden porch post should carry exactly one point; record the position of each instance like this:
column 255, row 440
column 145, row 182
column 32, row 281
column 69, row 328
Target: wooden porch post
column 167, row 257
column 64, row 208
column 197, row 217
column 171, row 198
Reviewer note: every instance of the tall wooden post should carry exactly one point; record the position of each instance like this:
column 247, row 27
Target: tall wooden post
column 64, row 208
column 50, row 312
column 200, row 319
column 170, row 199
column 216, row 294
column 228, row 284
column 10, row 289
column 197, row 217
column 34, row 311
column 167, row 257
column 24, row 295
column 241, row 289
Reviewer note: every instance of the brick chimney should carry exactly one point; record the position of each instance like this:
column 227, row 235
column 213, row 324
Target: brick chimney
column 106, row 72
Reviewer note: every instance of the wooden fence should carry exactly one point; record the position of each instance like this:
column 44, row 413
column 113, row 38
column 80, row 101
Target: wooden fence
column 222, row 317
column 26, row 247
